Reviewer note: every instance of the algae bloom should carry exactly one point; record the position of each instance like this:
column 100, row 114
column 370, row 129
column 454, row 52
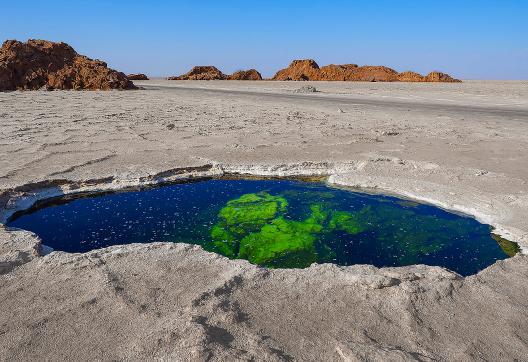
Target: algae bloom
column 255, row 227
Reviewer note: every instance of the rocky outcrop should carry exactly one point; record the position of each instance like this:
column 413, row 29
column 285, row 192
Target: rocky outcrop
column 373, row 74
column 40, row 64
column 337, row 72
column 308, row 69
column 207, row 72
column 138, row 76
column 410, row 77
column 212, row 73
column 251, row 74
column 300, row 70
column 436, row 77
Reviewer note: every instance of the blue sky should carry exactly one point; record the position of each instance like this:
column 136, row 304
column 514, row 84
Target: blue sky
column 470, row 39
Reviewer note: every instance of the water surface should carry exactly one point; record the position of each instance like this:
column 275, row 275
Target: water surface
column 274, row 223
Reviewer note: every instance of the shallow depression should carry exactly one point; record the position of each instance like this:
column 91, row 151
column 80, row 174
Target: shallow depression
column 274, row 223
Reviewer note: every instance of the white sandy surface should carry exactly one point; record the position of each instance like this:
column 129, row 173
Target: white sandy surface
column 459, row 146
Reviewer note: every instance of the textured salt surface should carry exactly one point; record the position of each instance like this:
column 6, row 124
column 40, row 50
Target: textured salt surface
column 461, row 147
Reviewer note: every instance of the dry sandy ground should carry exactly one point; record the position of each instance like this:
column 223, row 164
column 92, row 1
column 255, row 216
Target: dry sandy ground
column 459, row 146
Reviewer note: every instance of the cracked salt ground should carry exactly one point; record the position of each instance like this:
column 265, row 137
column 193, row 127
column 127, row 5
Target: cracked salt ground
column 274, row 223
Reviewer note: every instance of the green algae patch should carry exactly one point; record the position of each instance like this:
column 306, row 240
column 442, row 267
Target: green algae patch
column 509, row 247
column 249, row 213
column 345, row 221
column 255, row 227
column 223, row 242
column 283, row 243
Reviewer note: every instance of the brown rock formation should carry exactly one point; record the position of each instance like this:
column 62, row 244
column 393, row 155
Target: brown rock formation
column 40, row 63
column 138, row 76
column 207, row 72
column 440, row 77
column 309, row 70
column 410, row 77
column 251, row 74
column 373, row 74
column 299, row 70
column 337, row 72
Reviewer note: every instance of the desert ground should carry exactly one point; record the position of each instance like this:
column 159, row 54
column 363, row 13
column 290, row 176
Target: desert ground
column 460, row 146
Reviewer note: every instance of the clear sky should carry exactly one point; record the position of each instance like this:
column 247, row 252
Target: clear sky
column 470, row 39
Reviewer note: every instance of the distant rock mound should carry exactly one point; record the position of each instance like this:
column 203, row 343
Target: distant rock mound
column 370, row 73
column 251, row 74
column 337, row 72
column 138, row 76
column 40, row 64
column 308, row 69
column 207, row 72
column 440, row 77
column 411, row 77
column 299, row 70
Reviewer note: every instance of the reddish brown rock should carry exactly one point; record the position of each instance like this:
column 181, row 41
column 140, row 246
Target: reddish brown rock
column 299, row 70
column 337, row 72
column 40, row 63
column 207, row 72
column 138, row 76
column 411, row 77
column 251, row 74
column 369, row 73
column 440, row 77
column 309, row 70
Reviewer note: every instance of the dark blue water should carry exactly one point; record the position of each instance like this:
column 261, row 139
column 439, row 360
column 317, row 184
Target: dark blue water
column 275, row 223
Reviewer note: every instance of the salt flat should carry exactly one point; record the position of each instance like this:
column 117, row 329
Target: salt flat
column 460, row 146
